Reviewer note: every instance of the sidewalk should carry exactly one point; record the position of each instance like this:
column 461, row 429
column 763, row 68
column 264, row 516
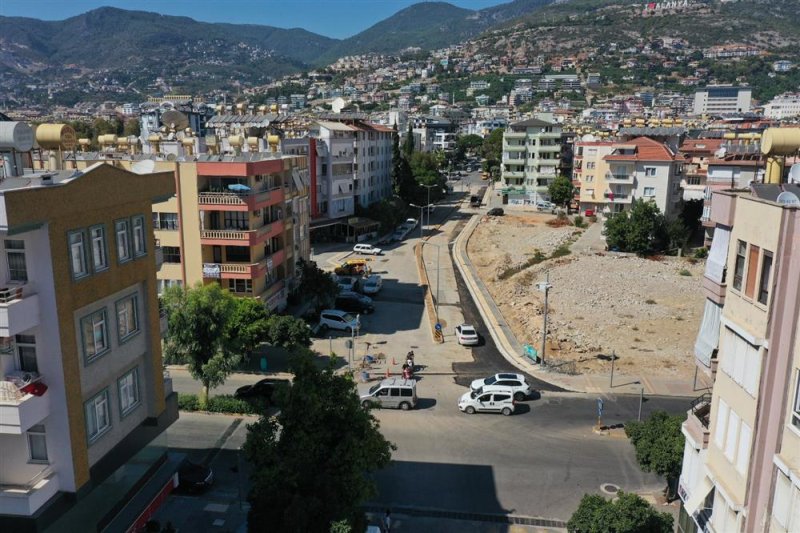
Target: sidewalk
column 512, row 350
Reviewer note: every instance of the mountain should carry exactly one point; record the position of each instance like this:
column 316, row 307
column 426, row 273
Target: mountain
column 428, row 25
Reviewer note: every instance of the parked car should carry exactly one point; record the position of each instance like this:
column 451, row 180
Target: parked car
column 354, row 305
column 392, row 392
column 361, row 297
column 367, row 249
column 514, row 382
column 336, row 319
column 193, row 477
column 260, row 389
column 491, row 402
column 495, row 212
column 467, row 335
column 347, row 283
column 410, row 223
column 543, row 205
column 372, row 285
column 399, row 234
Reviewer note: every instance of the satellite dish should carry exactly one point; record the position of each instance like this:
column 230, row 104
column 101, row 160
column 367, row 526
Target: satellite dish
column 788, row 198
column 794, row 173
column 175, row 120
column 145, row 166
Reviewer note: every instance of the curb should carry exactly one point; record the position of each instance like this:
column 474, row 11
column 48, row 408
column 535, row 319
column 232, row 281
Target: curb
column 423, row 278
column 499, row 337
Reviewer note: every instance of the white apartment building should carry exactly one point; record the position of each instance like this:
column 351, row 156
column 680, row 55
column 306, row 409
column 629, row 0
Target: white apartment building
column 722, row 100
column 531, row 155
column 782, row 107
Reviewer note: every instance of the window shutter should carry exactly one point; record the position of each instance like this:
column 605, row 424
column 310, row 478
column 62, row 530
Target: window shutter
column 719, row 425
column 730, row 439
column 782, row 500
column 743, row 455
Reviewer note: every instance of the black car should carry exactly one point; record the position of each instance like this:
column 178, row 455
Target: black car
column 353, row 305
column 193, row 477
column 260, row 389
column 495, row 212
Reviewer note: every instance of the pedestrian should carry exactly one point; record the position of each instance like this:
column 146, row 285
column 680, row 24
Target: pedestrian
column 387, row 521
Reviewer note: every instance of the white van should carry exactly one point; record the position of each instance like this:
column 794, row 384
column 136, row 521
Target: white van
column 397, row 393
column 497, row 401
column 367, row 249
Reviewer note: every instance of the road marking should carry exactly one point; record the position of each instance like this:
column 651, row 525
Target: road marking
column 216, row 507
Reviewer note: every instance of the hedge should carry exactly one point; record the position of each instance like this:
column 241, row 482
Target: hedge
column 224, row 403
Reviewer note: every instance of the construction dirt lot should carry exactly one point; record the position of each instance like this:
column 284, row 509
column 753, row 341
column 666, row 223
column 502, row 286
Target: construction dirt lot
column 646, row 310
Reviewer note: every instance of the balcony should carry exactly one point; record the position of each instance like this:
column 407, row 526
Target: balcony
column 619, row 178
column 550, row 148
column 239, row 201
column 159, row 254
column 513, row 160
column 514, row 148
column 513, row 175
column 230, row 237
column 514, row 134
column 26, row 498
column 723, row 208
column 19, row 410
column 618, row 198
column 235, row 270
column 698, row 418
column 19, row 310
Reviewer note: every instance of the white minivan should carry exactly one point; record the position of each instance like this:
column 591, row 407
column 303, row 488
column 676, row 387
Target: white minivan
column 497, row 401
column 392, row 392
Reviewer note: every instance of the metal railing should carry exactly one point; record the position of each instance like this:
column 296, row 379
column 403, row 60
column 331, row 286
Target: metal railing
column 10, row 294
column 701, row 408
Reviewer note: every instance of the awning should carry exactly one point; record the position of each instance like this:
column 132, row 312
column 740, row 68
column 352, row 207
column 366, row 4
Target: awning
column 298, row 181
column 708, row 336
column 697, row 496
column 718, row 255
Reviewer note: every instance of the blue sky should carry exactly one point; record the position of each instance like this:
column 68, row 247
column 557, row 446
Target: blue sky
column 334, row 18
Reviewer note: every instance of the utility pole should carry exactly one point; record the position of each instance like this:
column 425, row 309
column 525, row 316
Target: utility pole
column 545, row 287
column 438, row 248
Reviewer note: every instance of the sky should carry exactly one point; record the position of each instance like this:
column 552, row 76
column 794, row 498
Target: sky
column 333, row 18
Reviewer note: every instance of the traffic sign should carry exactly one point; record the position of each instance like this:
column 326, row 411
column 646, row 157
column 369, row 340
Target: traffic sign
column 437, row 327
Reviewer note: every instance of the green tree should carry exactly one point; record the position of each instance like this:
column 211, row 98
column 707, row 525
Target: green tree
column 288, row 332
column 132, row 127
column 561, row 190
column 405, row 186
column 312, row 462
column 408, row 142
column 629, row 513
column 492, row 149
column 659, row 445
column 641, row 230
column 248, row 322
column 199, row 333
column 316, row 284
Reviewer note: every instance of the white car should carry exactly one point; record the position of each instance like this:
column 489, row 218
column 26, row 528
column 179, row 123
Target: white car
column 410, row 223
column 505, row 381
column 499, row 401
column 367, row 249
column 335, row 319
column 372, row 285
column 467, row 335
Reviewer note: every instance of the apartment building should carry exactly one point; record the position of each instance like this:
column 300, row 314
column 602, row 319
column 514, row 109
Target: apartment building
column 722, row 100
column 83, row 398
column 741, row 469
column 531, row 155
column 642, row 168
column 782, row 107
column 589, row 171
column 696, row 154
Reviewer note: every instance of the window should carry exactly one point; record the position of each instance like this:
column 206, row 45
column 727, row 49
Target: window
column 165, row 221
column 139, row 242
column 77, row 251
column 15, row 254
column 98, row 417
column 95, row 335
column 37, row 444
column 719, row 425
column 97, row 236
column 589, row 178
column 128, row 392
column 172, row 254
column 127, row 318
column 796, row 406
column 241, row 285
column 650, row 171
column 743, row 453
column 752, row 267
column 236, row 220
column 123, row 231
column 26, row 350
column 738, row 269
column 730, row 438
column 763, row 285
column 589, row 165
column 786, row 504
column 740, row 360
column 649, row 191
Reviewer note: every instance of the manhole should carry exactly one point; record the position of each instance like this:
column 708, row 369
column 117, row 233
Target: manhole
column 609, row 488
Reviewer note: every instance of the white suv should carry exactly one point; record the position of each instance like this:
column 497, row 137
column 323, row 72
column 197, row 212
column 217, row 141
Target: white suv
column 335, row 319
column 367, row 249
column 515, row 382
column 498, row 401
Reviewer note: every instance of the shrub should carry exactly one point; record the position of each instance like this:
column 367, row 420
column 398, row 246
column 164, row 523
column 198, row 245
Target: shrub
column 561, row 251
column 188, row 402
column 578, row 221
column 593, row 219
column 535, row 259
column 650, row 301
column 701, row 253
column 685, row 272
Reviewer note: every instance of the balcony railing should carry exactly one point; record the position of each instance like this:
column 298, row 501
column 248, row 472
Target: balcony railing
column 25, row 498
column 19, row 309
column 24, row 402
column 619, row 177
column 242, row 198
column 701, row 408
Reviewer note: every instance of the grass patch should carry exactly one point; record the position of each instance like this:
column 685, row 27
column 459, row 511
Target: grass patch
column 650, row 301
column 561, row 251
column 535, row 259
column 685, row 272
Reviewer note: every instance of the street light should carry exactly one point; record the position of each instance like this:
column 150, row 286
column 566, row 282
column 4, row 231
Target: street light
column 544, row 287
column 421, row 216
